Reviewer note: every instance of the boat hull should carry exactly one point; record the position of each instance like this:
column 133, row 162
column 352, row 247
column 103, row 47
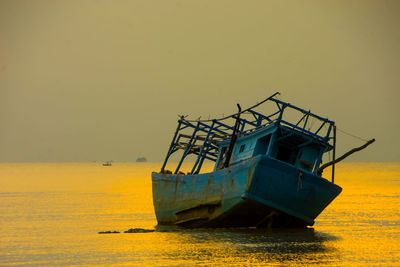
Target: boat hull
column 260, row 192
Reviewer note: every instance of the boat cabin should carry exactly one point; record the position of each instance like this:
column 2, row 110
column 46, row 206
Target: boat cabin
column 279, row 142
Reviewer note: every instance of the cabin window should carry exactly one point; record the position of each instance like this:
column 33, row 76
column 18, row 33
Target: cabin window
column 286, row 154
column 261, row 146
column 286, row 147
column 296, row 150
column 242, row 148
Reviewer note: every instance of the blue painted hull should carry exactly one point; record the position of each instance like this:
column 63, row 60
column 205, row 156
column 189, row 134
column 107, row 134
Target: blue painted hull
column 261, row 192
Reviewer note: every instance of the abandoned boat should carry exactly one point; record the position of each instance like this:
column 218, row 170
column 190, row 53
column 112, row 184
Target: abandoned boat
column 267, row 170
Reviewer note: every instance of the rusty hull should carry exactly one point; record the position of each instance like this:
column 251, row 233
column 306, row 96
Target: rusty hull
column 260, row 192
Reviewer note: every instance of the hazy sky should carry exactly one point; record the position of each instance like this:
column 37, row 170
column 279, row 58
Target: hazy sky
column 102, row 80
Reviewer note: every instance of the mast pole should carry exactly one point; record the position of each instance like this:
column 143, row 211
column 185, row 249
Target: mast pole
column 233, row 138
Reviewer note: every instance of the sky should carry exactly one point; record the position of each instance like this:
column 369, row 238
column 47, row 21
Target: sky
column 105, row 80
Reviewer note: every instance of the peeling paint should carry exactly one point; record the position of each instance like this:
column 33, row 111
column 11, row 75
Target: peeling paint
column 209, row 180
column 176, row 187
column 191, row 200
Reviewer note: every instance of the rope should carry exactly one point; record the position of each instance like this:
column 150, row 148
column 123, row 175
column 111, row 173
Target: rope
column 352, row 135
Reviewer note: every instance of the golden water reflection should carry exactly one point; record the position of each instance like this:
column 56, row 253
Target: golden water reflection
column 50, row 214
column 252, row 245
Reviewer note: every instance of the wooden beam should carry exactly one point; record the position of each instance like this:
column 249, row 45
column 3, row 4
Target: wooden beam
column 320, row 170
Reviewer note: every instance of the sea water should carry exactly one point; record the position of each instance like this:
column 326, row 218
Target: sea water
column 51, row 213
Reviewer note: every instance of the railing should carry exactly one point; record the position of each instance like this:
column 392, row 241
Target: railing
column 209, row 132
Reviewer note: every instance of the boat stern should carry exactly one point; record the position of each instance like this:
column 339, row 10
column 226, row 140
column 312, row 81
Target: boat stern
column 298, row 195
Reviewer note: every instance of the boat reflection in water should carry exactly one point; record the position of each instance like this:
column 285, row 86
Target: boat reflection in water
column 293, row 245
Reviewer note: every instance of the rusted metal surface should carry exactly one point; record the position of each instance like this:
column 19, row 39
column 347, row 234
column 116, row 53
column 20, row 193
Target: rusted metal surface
column 233, row 196
column 179, row 198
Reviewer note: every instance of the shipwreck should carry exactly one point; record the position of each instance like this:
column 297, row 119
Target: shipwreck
column 268, row 169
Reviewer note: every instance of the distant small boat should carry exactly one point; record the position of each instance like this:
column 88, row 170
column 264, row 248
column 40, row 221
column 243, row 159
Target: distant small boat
column 267, row 170
column 141, row 159
column 107, row 163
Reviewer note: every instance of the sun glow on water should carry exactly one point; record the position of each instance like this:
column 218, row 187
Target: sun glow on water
column 51, row 213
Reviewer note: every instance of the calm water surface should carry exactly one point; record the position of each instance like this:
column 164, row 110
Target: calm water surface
column 50, row 214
